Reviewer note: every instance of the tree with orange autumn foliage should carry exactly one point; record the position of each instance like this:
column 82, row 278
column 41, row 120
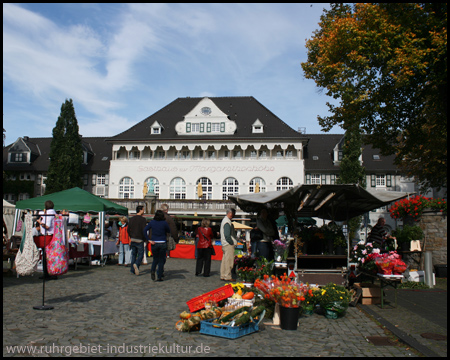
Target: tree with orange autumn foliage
column 386, row 65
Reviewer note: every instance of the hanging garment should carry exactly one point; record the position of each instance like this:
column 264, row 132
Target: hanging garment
column 28, row 255
column 56, row 251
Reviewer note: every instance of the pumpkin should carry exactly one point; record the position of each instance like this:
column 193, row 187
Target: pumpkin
column 248, row 296
column 185, row 315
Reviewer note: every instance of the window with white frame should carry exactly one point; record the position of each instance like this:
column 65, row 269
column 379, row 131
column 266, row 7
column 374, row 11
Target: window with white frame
column 101, row 179
column 260, row 182
column 215, row 127
column 253, row 154
column 315, row 178
column 207, row 188
column 230, row 186
column 177, row 188
column 284, row 183
column 195, row 127
column 126, row 188
column 380, row 181
column 262, row 154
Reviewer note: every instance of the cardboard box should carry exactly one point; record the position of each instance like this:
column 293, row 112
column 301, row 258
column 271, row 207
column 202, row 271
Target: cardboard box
column 417, row 276
column 371, row 300
column 369, row 290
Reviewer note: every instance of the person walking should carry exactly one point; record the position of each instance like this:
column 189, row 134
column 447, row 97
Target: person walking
column 172, row 225
column 228, row 241
column 205, row 248
column 124, row 242
column 136, row 227
column 47, row 225
column 158, row 239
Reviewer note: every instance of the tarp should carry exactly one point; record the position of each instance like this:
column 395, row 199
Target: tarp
column 333, row 202
column 74, row 200
column 240, row 226
column 283, row 221
column 8, row 217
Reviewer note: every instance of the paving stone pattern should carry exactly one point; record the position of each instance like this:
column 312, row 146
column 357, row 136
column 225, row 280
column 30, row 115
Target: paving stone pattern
column 109, row 306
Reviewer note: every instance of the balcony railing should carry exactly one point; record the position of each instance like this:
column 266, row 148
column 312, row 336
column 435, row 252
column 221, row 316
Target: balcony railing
column 181, row 206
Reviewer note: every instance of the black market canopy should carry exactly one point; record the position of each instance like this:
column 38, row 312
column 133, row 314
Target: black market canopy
column 333, row 202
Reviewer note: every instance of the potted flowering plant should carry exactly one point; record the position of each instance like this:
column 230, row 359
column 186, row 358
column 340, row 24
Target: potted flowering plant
column 288, row 294
column 334, row 300
column 408, row 233
column 413, row 207
column 249, row 269
column 311, row 299
column 365, row 255
column 280, row 249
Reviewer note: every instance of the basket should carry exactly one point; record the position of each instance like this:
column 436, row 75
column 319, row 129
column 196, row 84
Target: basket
column 217, row 295
column 207, row 327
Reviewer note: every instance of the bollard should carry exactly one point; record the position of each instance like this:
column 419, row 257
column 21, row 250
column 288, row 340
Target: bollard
column 428, row 269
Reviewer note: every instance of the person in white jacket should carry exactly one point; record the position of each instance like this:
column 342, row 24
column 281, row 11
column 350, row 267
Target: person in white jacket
column 228, row 240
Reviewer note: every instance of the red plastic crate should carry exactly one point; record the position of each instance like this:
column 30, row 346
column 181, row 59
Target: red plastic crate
column 198, row 302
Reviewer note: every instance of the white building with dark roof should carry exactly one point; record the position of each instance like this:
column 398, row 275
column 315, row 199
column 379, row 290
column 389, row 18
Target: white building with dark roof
column 231, row 145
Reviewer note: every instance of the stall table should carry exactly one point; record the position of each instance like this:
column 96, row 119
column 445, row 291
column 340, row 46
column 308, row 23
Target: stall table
column 188, row 252
column 385, row 281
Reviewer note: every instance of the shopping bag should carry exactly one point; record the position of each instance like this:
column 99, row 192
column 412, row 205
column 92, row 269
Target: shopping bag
column 28, row 254
column 56, row 252
column 171, row 244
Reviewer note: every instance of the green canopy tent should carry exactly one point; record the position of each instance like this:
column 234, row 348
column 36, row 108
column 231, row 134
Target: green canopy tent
column 74, row 200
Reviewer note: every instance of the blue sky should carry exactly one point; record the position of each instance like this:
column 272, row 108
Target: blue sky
column 123, row 62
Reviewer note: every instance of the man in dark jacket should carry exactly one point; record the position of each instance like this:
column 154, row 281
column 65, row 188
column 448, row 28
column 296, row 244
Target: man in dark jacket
column 136, row 227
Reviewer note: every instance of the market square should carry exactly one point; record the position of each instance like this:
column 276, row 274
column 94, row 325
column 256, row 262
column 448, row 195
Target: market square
column 107, row 307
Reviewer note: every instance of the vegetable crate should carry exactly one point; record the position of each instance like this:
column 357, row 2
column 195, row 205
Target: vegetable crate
column 207, row 327
column 217, row 295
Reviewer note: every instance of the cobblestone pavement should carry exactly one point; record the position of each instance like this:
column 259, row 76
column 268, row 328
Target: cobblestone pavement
column 418, row 312
column 101, row 309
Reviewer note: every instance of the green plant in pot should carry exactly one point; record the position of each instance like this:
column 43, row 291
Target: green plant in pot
column 406, row 234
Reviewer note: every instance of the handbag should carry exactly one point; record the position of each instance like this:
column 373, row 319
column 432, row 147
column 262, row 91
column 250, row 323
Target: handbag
column 56, row 251
column 171, row 244
column 213, row 251
column 28, row 255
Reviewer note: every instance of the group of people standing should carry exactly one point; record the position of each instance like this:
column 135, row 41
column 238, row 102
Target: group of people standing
column 134, row 234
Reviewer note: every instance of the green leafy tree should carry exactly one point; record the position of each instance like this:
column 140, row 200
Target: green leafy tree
column 386, row 64
column 351, row 169
column 66, row 152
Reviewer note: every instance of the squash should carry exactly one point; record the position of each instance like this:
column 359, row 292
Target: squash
column 248, row 296
column 185, row 315
column 232, row 314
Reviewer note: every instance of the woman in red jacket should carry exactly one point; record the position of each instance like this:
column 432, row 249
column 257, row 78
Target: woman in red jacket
column 204, row 247
column 124, row 242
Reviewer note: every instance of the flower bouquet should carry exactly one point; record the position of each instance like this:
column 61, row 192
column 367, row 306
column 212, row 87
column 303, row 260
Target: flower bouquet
column 389, row 263
column 334, row 300
column 285, row 291
column 280, row 248
column 249, row 269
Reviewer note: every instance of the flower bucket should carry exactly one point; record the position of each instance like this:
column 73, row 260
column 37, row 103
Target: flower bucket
column 289, row 318
column 335, row 309
column 308, row 309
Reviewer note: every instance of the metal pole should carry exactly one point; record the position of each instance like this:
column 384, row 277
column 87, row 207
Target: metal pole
column 429, row 269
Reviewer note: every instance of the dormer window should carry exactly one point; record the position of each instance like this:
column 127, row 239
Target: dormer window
column 156, row 128
column 257, row 127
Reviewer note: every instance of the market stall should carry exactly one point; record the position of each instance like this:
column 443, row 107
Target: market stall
column 78, row 201
column 332, row 202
